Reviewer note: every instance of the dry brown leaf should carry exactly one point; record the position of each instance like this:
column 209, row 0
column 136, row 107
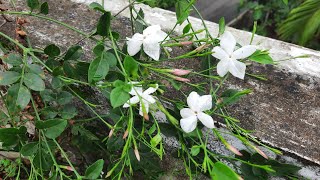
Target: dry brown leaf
column 21, row 21
column 21, row 33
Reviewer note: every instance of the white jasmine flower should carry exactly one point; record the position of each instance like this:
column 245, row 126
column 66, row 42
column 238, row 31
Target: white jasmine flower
column 141, row 96
column 228, row 56
column 150, row 39
column 197, row 104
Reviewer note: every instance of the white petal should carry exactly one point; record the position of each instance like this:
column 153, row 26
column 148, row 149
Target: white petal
column 223, row 67
column 188, row 124
column 131, row 101
column 136, row 88
column 146, row 108
column 193, row 101
column 152, row 48
column 219, row 53
column 134, row 44
column 237, row 69
column 205, row 102
column 148, row 99
column 206, row 120
column 160, row 36
column 151, row 30
column 228, row 42
column 186, row 112
column 151, row 90
column 244, row 52
column 135, row 91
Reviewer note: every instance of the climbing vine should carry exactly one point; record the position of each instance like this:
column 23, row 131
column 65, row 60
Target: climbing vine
column 45, row 92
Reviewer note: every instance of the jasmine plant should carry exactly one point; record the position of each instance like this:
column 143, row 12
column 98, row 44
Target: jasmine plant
column 42, row 86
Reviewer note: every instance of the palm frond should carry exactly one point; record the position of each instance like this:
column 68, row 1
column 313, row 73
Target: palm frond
column 302, row 23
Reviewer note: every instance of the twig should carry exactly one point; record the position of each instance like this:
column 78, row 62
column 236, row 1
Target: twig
column 11, row 155
column 125, row 8
column 237, row 18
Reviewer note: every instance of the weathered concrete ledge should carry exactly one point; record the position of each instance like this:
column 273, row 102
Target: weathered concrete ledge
column 283, row 111
column 279, row 50
column 286, row 121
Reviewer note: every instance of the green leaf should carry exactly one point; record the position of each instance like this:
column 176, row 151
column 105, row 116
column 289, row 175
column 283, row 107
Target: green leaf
column 70, row 69
column 222, row 171
column 261, row 57
column 36, row 69
column 73, row 53
column 52, row 50
column 156, row 140
column 283, row 169
column 49, row 112
column 52, row 63
column 245, row 155
column 10, row 136
column 29, row 149
column 285, row 2
column 103, row 27
column 152, row 129
column 98, row 49
column 68, row 112
column 115, row 35
column 247, row 172
column 82, row 69
column 93, row 171
column 257, row 14
column 168, row 130
column 98, row 68
column 187, row 28
column 43, row 160
column 18, row 96
column 312, row 27
column 118, row 97
column 222, row 26
column 301, row 22
column 97, row 6
column 14, row 59
column 182, row 10
column 118, row 83
column 64, row 98
column 59, row 71
column 56, row 83
column 47, row 95
column 112, row 60
column 48, row 123
column 131, row 66
column 8, row 77
column 84, row 132
column 55, row 131
column 195, row 150
column 44, row 9
column 176, row 84
column 139, row 22
column 33, row 4
column 34, row 82
column 231, row 96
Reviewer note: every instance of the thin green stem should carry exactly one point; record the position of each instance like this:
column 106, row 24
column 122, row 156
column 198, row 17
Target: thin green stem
column 66, row 157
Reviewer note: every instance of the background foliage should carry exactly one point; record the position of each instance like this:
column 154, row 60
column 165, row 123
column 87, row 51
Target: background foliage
column 296, row 22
